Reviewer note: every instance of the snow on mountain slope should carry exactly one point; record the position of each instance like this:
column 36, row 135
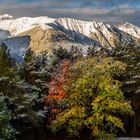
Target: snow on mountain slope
column 44, row 33
column 84, row 27
column 19, row 25
column 130, row 29
column 107, row 35
column 6, row 16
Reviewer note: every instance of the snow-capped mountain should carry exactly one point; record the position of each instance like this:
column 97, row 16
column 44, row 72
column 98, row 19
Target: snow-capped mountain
column 130, row 29
column 6, row 16
column 44, row 33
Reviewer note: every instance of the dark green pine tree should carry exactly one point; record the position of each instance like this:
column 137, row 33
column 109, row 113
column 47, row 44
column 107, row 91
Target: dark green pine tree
column 36, row 71
column 6, row 63
column 7, row 132
column 131, row 80
column 20, row 94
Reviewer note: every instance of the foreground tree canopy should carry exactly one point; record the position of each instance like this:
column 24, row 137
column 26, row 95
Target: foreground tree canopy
column 93, row 97
column 62, row 91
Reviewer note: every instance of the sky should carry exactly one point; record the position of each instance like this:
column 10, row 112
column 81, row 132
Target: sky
column 110, row 11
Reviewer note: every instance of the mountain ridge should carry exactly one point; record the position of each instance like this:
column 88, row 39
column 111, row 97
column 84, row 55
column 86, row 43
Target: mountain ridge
column 44, row 33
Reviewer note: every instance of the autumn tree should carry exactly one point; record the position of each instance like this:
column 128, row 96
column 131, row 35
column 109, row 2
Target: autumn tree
column 94, row 99
column 61, row 60
column 56, row 93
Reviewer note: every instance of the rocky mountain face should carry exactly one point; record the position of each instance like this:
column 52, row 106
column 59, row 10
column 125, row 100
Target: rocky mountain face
column 44, row 33
column 130, row 29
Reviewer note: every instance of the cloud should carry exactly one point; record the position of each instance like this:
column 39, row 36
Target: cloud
column 102, row 10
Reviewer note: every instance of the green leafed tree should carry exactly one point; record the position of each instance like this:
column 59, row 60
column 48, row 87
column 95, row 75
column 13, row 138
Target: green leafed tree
column 94, row 99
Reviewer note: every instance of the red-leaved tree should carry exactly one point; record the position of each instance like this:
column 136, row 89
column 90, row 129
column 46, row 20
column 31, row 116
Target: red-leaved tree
column 55, row 88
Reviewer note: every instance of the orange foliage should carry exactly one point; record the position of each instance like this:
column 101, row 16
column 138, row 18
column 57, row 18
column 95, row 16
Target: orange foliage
column 56, row 91
column 55, row 110
column 55, row 88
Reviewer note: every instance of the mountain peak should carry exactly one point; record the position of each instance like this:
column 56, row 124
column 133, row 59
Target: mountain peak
column 6, row 16
column 129, row 28
column 125, row 24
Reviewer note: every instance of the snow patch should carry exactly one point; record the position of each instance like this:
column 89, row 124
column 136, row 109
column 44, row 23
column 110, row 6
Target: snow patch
column 6, row 16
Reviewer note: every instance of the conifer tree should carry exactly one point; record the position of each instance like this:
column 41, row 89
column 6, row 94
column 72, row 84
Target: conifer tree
column 7, row 132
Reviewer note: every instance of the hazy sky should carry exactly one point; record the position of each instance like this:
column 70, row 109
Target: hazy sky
column 100, row 10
